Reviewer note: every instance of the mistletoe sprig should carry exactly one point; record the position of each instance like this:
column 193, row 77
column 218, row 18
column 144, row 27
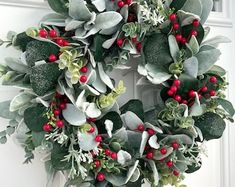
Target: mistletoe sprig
column 68, row 108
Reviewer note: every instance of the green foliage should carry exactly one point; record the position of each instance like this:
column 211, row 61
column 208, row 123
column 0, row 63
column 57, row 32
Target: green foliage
column 58, row 154
column 112, row 116
column 21, row 41
column 99, row 51
column 35, row 118
column 228, row 107
column 186, row 30
column 135, row 106
column 177, row 5
column 211, row 125
column 39, row 50
column 5, row 110
column 44, row 77
column 156, row 50
column 59, row 6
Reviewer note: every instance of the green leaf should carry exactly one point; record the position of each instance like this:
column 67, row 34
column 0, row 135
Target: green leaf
column 227, row 106
column 5, row 110
column 193, row 168
column 59, row 6
column 206, row 9
column 53, row 19
column 135, row 106
column 174, row 48
column 217, row 70
column 39, row 50
column 87, row 141
column 186, row 18
column 20, row 101
column 16, row 65
column 187, row 83
column 186, row 31
column 74, row 116
column 211, row 125
column 107, row 20
column 215, row 41
column 156, row 50
column 112, row 116
column 206, row 59
column 10, row 130
column 21, row 41
column 37, row 138
column 177, row 5
column 3, row 140
column 193, row 45
column 44, row 78
column 99, row 4
column 1, row 42
column 99, row 51
column 78, row 10
column 191, row 67
column 58, row 154
column 35, row 118
column 193, row 6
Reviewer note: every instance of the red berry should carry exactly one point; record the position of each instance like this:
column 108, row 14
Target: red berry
column 200, row 96
column 60, row 41
column 141, row 127
column 107, row 152
column 53, row 33
column 173, row 17
column 173, row 88
column 151, row 132
column 43, row 33
column 183, row 41
column 213, row 79
column 204, row 89
column 60, row 123
column 47, row 127
column 114, row 156
column 196, row 23
column 52, row 58
column 128, row 2
column 178, row 98
column 91, row 120
column 56, row 112
column 176, row 26
column 66, row 43
column 63, row 106
column 149, row 155
column 91, row 130
column 58, row 95
column 194, row 33
column 170, row 93
column 163, row 151
column 178, row 37
column 134, row 40
column 120, row 42
column 139, row 46
column 192, row 94
column 84, row 69
column 83, row 79
column 120, row 4
column 97, row 163
column 184, row 102
column 131, row 18
column 177, row 82
column 98, row 138
column 176, row 173
column 100, row 176
column 175, row 145
column 170, row 164
column 212, row 93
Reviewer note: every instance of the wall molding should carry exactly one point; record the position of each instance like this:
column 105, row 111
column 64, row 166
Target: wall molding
column 26, row 3
column 223, row 18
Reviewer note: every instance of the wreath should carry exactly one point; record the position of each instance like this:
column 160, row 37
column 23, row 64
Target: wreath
column 67, row 104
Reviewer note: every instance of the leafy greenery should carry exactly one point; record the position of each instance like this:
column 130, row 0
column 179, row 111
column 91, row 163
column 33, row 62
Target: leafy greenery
column 59, row 6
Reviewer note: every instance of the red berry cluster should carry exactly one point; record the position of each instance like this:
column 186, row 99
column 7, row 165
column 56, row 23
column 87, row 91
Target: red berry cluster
column 138, row 44
column 176, row 28
column 43, row 33
column 56, row 106
column 83, row 78
column 122, row 3
column 189, row 100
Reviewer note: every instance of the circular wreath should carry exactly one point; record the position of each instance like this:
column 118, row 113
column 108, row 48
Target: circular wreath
column 67, row 105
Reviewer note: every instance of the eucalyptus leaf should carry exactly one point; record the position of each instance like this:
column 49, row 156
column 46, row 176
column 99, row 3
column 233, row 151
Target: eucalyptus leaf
column 228, row 107
column 87, row 141
column 5, row 110
column 58, row 6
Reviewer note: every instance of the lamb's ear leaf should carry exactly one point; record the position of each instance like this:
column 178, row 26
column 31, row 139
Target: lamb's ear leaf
column 5, row 110
column 206, row 9
column 35, row 118
column 59, row 6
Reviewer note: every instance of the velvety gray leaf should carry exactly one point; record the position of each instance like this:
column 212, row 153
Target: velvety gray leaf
column 191, row 67
column 78, row 10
